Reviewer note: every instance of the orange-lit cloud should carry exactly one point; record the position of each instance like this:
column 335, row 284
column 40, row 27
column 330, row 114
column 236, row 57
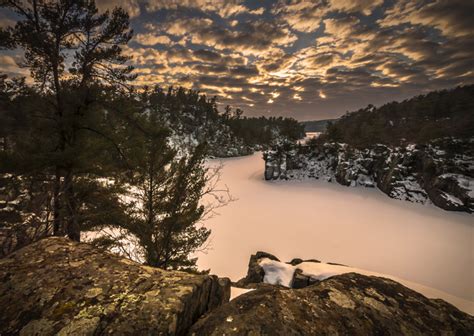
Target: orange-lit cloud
column 310, row 59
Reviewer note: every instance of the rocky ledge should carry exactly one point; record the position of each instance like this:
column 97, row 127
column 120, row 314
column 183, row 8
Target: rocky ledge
column 57, row 286
column 347, row 304
column 440, row 172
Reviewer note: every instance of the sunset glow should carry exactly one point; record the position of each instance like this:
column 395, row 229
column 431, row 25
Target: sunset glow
column 348, row 52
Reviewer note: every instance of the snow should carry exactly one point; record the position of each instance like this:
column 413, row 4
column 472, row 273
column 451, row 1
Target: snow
column 361, row 227
column 411, row 147
column 322, row 271
column 236, row 291
column 463, row 181
column 277, row 273
column 309, row 136
column 410, row 190
column 452, row 199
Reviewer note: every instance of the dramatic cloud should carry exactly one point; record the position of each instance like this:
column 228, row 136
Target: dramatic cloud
column 151, row 39
column 131, row 6
column 452, row 17
column 302, row 15
column 309, row 59
column 224, row 8
column 364, row 6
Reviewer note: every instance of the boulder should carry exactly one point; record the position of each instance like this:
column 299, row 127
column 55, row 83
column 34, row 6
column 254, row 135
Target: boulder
column 255, row 272
column 447, row 192
column 349, row 304
column 56, row 286
column 301, row 280
column 297, row 261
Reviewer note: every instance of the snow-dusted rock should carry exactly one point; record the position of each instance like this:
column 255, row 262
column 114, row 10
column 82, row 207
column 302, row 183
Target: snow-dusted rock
column 308, row 297
column 348, row 304
column 255, row 272
column 441, row 172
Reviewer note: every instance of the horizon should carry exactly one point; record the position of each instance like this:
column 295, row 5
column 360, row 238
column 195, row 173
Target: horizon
column 302, row 59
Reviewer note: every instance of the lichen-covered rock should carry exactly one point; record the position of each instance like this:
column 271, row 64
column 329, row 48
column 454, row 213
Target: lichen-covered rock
column 57, row 286
column 349, row 304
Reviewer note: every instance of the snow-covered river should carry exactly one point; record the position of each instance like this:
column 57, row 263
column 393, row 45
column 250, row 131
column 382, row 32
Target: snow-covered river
column 359, row 227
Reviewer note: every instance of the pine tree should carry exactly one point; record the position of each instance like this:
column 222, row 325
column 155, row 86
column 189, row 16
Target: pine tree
column 52, row 34
column 166, row 188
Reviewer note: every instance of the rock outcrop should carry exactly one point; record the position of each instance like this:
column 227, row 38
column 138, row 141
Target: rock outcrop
column 255, row 272
column 440, row 172
column 57, row 286
column 348, row 304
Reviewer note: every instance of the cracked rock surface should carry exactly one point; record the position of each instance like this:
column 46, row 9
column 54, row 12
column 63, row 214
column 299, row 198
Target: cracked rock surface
column 57, row 286
column 348, row 304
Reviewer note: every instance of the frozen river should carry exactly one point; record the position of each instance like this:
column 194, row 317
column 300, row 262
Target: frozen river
column 359, row 227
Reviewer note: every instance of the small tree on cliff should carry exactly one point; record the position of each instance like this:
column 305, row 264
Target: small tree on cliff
column 166, row 218
column 172, row 193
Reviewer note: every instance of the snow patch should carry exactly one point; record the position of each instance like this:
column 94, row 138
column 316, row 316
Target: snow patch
column 236, row 292
column 279, row 273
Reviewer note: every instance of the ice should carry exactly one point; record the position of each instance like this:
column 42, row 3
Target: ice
column 361, row 227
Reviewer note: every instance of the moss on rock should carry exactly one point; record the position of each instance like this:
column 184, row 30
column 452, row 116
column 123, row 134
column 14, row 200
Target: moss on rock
column 57, row 286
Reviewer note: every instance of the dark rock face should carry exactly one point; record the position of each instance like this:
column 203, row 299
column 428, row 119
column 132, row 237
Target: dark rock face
column 349, row 304
column 255, row 272
column 275, row 165
column 297, row 261
column 301, row 280
column 439, row 172
column 57, row 286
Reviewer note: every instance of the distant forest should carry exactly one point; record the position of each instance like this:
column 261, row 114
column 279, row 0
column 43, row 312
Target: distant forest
column 438, row 114
column 264, row 131
column 316, row 125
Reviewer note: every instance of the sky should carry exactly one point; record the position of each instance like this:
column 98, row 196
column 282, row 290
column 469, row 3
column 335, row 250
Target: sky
column 307, row 59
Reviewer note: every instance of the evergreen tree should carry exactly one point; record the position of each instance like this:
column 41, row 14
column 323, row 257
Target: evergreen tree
column 167, row 188
column 438, row 114
column 52, row 34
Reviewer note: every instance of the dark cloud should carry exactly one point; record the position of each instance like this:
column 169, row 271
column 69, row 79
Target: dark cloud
column 207, row 55
column 309, row 59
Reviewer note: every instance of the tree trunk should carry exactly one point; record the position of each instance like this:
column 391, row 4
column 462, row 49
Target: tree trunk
column 57, row 227
column 73, row 229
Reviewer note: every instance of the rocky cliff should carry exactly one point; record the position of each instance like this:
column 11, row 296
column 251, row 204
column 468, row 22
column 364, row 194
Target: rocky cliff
column 440, row 172
column 57, row 286
column 349, row 304
column 346, row 304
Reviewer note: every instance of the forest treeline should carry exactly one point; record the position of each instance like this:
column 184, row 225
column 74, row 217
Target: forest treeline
column 438, row 114
column 263, row 131
column 82, row 147
column 316, row 125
